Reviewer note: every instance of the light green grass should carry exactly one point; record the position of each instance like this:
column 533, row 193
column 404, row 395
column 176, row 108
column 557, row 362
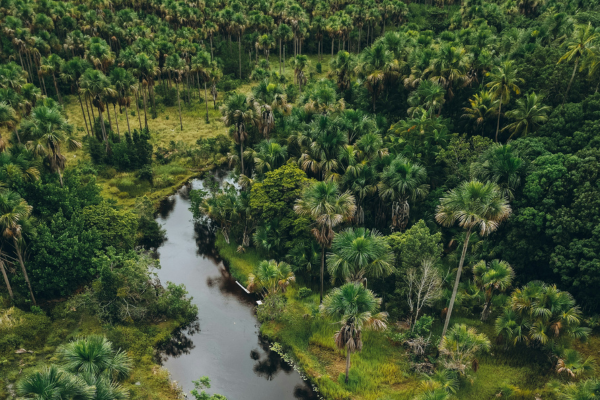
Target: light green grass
column 240, row 264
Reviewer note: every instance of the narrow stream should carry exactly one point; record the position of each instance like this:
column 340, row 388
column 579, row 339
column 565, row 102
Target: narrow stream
column 225, row 345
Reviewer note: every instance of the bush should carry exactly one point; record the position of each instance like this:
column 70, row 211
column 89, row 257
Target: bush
column 304, row 292
column 272, row 308
column 319, row 68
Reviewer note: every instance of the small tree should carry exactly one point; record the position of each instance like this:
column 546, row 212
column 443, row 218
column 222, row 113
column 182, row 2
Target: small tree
column 494, row 276
column 424, row 287
column 460, row 346
column 356, row 307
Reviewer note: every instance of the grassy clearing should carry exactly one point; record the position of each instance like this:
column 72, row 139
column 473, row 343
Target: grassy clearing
column 165, row 128
column 41, row 335
column 382, row 370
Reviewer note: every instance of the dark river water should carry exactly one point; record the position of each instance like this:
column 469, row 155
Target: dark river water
column 225, row 344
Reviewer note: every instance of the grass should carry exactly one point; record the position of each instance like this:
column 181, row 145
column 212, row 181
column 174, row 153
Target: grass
column 42, row 335
column 382, row 370
column 165, row 128
column 240, row 265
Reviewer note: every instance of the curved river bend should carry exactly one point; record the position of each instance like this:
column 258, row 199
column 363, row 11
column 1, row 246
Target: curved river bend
column 225, row 345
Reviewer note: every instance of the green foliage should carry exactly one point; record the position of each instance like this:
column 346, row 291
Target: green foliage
column 63, row 255
column 116, row 228
column 127, row 290
column 201, row 384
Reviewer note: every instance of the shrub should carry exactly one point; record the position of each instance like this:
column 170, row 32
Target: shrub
column 304, row 292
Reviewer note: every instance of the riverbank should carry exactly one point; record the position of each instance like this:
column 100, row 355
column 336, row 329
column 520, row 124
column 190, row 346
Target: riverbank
column 382, row 369
column 40, row 334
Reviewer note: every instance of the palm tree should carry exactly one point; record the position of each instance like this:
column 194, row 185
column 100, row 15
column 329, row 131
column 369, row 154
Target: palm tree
column 210, row 28
column 503, row 81
column 14, row 219
column 146, row 68
column 94, row 85
column 402, row 181
column 356, row 308
column 298, row 63
column 239, row 26
column 45, row 131
column 270, row 156
column 582, row 390
column 572, row 364
column 95, row 355
column 540, row 314
column 483, row 107
column 342, row 67
column 238, row 113
column 502, row 165
column 124, row 83
column 494, row 276
column 270, row 277
column 283, row 33
column 8, row 120
column 360, row 252
column 577, row 46
column 450, row 66
column 265, row 43
column 215, row 75
column 323, row 203
column 377, row 66
column 460, row 346
column 54, row 383
column 70, row 72
column 428, row 96
column 176, row 65
column 528, row 115
column 201, row 65
column 475, row 205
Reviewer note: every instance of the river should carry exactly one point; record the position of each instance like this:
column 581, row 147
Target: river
column 225, row 345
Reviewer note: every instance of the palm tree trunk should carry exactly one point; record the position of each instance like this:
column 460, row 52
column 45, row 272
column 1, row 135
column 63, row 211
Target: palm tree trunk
column 137, row 104
column 83, row 112
column 104, row 136
column 359, row 34
column 56, row 88
column 211, row 49
column 571, row 81
column 109, row 119
column 279, row 56
column 498, row 123
column 456, row 282
column 146, row 107
column 348, row 352
column 179, row 104
column 10, row 293
column 332, row 43
column 23, row 269
column 116, row 119
column 206, row 101
column 87, row 107
column 242, row 154
column 284, row 46
column 127, row 117
column 240, row 53
column 322, row 272
column 17, row 133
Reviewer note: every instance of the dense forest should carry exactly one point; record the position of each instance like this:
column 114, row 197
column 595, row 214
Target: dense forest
column 416, row 197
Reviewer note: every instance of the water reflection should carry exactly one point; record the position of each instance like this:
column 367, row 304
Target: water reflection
column 268, row 364
column 229, row 330
column 178, row 344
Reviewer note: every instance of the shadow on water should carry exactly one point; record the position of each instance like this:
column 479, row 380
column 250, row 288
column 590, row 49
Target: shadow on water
column 225, row 342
